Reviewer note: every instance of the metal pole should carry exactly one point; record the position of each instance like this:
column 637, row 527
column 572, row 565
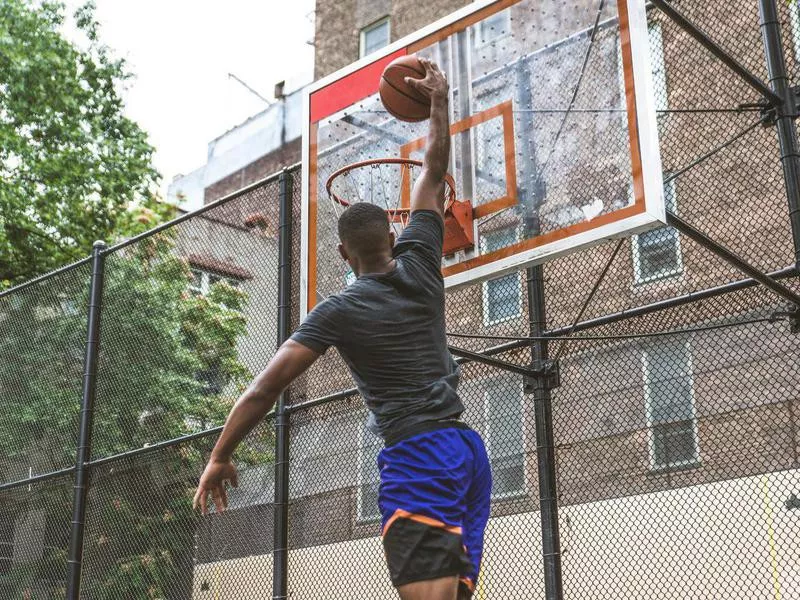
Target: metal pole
column 786, row 113
column 280, row 553
column 84, row 453
column 531, row 193
column 732, row 258
column 545, row 441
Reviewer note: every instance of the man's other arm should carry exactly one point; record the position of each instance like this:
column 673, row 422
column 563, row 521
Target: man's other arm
column 289, row 362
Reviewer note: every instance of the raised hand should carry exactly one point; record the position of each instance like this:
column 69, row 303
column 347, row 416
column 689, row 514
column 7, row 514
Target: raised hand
column 434, row 85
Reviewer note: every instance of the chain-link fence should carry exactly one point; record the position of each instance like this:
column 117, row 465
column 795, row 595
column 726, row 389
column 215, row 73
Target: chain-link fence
column 675, row 420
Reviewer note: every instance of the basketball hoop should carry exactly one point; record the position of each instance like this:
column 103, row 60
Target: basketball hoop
column 359, row 179
column 364, row 171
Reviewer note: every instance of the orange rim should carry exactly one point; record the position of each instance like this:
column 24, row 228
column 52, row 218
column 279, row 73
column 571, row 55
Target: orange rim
column 395, row 214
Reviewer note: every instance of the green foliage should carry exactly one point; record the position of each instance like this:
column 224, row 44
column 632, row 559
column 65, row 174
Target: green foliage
column 72, row 166
column 160, row 346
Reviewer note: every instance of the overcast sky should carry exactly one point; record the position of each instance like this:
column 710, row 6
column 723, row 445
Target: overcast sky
column 181, row 52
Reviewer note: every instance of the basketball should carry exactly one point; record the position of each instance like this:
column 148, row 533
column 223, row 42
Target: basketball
column 399, row 98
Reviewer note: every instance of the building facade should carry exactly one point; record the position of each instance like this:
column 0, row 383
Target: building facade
column 694, row 432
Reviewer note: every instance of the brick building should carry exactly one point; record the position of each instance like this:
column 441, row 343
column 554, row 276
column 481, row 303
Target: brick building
column 647, row 430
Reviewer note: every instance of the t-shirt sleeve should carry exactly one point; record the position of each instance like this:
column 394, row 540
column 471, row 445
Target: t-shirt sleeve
column 320, row 330
column 423, row 237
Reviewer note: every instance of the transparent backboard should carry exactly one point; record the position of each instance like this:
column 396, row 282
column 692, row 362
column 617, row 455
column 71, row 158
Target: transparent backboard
column 554, row 137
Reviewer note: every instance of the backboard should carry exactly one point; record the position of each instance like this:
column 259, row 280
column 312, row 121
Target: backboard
column 554, row 136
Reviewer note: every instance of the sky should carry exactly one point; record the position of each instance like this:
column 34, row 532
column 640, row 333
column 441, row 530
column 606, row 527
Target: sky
column 181, row 52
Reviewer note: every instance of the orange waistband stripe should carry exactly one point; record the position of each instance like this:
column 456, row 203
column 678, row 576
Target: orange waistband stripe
column 404, row 514
column 468, row 583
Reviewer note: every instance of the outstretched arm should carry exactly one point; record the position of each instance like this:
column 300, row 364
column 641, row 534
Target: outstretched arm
column 289, row 362
column 428, row 192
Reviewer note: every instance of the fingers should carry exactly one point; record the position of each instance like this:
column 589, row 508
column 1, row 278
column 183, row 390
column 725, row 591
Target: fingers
column 414, row 83
column 430, row 66
column 218, row 496
column 235, row 478
column 201, row 500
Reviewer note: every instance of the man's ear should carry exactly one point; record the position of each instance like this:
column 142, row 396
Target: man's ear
column 392, row 238
column 343, row 252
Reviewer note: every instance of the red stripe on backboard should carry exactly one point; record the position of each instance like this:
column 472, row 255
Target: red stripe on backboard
column 350, row 89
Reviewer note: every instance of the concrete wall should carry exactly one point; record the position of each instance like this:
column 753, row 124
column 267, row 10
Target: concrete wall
column 231, row 244
column 744, row 544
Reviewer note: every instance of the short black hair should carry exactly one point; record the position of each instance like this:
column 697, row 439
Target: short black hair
column 364, row 228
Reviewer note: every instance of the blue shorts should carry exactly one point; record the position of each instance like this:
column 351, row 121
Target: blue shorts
column 435, row 498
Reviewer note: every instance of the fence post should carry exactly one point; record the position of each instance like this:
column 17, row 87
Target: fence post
column 786, row 113
column 281, row 506
column 84, row 453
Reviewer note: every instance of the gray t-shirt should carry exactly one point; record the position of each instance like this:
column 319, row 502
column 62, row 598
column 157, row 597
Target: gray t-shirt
column 390, row 330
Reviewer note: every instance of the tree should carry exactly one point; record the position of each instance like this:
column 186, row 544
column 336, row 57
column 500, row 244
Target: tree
column 71, row 164
column 157, row 343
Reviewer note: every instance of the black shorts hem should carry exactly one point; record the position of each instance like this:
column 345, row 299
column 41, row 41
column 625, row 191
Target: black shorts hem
column 416, row 577
column 417, row 551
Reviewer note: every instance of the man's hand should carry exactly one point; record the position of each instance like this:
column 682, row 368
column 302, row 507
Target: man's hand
column 213, row 481
column 434, row 86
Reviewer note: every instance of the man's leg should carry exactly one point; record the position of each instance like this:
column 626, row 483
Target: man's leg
column 444, row 588
column 424, row 482
column 478, row 509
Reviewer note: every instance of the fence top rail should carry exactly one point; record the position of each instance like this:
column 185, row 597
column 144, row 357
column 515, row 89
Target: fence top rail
column 150, row 232
column 35, row 479
column 211, row 205
column 44, row 277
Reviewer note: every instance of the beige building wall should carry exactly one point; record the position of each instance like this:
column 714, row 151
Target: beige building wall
column 740, row 532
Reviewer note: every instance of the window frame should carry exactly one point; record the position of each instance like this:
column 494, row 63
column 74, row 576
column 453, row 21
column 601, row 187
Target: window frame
column 670, row 190
column 488, row 322
column 362, row 34
column 361, row 518
column 695, row 461
column 794, row 29
column 205, row 280
column 487, row 434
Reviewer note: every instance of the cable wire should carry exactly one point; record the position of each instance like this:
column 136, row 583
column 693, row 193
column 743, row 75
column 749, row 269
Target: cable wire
column 627, row 336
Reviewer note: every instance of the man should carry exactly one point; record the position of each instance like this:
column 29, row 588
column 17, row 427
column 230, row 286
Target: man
column 389, row 326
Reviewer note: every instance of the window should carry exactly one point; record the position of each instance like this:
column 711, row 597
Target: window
column 369, row 478
column 502, row 297
column 657, row 253
column 669, row 403
column 374, row 37
column 493, row 28
column 202, row 281
column 504, row 436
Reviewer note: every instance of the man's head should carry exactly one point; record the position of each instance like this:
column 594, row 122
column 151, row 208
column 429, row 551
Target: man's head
column 364, row 234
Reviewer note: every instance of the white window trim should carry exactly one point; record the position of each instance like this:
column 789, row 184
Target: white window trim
column 205, row 280
column 482, row 43
column 794, row 24
column 638, row 278
column 362, row 35
column 487, row 322
column 523, row 434
column 695, row 460
column 361, row 518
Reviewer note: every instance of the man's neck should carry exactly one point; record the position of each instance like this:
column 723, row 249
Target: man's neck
column 376, row 265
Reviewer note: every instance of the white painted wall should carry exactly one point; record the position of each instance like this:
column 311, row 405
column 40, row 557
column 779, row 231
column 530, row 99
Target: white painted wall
column 732, row 539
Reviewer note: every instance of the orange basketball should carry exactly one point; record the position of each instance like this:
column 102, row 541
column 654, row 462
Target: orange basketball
column 399, row 98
